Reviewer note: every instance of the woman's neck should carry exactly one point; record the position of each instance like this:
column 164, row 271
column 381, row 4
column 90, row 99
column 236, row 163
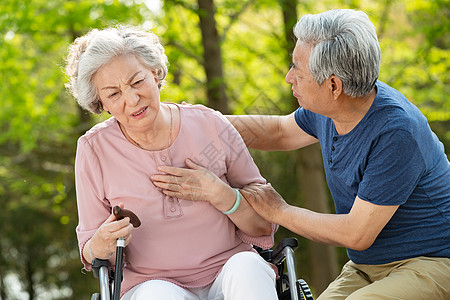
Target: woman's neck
column 158, row 137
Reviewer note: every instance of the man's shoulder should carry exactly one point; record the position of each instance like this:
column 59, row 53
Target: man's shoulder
column 391, row 110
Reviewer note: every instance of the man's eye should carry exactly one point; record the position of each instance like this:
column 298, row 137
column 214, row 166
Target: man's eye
column 291, row 65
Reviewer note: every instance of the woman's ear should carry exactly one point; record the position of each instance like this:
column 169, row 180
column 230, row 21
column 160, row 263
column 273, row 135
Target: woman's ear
column 103, row 106
column 155, row 74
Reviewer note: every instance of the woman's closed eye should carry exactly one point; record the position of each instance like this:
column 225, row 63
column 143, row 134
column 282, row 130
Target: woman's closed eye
column 138, row 82
column 113, row 95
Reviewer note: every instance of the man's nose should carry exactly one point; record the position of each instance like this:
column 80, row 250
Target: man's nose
column 289, row 76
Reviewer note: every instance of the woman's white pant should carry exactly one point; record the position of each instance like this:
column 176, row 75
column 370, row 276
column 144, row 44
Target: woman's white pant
column 244, row 276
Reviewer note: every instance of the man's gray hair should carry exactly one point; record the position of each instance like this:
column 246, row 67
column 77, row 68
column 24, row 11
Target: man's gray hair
column 345, row 45
column 98, row 47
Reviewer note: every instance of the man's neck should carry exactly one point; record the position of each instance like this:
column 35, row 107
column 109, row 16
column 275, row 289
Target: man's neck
column 351, row 112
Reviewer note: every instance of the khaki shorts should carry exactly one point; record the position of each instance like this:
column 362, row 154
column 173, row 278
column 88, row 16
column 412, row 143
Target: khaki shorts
column 425, row 278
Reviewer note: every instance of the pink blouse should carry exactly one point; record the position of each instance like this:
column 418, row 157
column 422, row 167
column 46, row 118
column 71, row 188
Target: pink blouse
column 180, row 241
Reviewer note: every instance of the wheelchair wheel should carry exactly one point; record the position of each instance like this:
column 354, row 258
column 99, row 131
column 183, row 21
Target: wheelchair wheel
column 95, row 296
column 303, row 290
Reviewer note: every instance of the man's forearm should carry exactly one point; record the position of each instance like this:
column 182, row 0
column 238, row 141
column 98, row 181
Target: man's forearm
column 258, row 131
column 318, row 227
column 356, row 230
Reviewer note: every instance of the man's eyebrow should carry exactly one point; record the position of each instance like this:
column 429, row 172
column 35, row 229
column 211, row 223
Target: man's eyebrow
column 129, row 81
column 291, row 62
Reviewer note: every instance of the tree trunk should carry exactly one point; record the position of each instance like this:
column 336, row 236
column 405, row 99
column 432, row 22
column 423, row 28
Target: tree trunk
column 2, row 287
column 323, row 258
column 311, row 183
column 212, row 57
column 29, row 275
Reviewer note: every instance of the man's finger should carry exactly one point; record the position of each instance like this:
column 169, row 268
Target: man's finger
column 249, row 196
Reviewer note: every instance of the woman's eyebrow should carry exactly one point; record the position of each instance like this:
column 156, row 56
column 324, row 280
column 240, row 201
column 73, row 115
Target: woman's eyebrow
column 133, row 76
column 129, row 81
column 108, row 87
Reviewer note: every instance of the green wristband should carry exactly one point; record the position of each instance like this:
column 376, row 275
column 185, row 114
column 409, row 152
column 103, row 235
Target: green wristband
column 236, row 204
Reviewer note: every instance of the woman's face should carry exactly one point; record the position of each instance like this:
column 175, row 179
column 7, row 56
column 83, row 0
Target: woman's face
column 129, row 91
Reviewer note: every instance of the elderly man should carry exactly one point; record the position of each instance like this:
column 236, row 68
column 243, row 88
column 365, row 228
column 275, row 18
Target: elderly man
column 387, row 171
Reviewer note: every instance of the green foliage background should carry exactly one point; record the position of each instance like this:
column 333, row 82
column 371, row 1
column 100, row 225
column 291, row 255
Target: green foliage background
column 40, row 122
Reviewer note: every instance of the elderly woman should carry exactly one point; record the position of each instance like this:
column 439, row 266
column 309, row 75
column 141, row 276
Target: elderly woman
column 197, row 230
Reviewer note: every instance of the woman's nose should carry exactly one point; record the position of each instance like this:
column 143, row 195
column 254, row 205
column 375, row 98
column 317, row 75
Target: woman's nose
column 131, row 97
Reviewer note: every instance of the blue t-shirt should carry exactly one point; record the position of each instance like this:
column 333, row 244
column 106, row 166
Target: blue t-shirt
column 390, row 158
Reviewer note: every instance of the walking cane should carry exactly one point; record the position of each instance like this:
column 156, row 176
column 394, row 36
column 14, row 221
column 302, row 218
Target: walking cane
column 120, row 213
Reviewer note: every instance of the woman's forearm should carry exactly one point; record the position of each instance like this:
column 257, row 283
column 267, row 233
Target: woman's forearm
column 248, row 221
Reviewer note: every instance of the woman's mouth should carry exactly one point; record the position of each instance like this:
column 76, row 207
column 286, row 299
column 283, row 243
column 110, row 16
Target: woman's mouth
column 139, row 112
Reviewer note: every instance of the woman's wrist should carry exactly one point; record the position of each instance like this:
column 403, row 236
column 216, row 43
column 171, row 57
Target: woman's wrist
column 87, row 252
column 91, row 252
column 91, row 255
column 224, row 198
column 236, row 203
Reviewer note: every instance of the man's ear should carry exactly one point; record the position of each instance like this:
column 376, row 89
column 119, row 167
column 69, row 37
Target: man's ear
column 336, row 87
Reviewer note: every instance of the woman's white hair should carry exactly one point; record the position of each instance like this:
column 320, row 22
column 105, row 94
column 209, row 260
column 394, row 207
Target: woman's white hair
column 345, row 45
column 98, row 47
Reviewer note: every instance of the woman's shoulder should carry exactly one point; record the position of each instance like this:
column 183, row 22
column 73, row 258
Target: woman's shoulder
column 196, row 109
column 200, row 112
column 100, row 129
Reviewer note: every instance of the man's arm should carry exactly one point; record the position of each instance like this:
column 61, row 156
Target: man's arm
column 271, row 133
column 356, row 230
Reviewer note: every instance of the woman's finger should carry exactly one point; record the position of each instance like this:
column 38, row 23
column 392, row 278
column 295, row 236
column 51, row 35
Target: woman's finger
column 175, row 194
column 181, row 171
column 178, row 182
column 128, row 239
column 173, row 170
column 166, row 178
column 192, row 165
column 124, row 232
column 111, row 218
column 168, row 186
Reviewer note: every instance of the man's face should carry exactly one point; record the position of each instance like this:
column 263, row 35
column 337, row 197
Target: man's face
column 309, row 94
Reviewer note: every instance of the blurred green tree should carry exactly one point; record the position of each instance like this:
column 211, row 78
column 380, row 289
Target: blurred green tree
column 39, row 126
column 40, row 123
